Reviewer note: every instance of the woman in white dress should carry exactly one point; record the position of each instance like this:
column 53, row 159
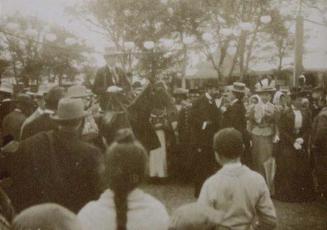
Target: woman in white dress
column 158, row 157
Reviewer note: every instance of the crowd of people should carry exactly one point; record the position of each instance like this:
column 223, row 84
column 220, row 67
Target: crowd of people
column 65, row 167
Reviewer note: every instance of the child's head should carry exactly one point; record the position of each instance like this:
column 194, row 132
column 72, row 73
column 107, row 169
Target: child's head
column 228, row 144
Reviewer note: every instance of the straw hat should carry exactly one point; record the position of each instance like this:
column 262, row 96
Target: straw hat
column 239, row 87
column 266, row 89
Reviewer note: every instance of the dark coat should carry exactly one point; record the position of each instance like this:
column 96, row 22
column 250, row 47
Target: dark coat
column 234, row 117
column 104, row 79
column 205, row 122
column 39, row 124
column 293, row 179
column 66, row 174
column 12, row 123
column 319, row 149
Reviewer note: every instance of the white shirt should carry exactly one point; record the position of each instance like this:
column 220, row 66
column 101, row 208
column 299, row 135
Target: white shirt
column 241, row 194
column 144, row 213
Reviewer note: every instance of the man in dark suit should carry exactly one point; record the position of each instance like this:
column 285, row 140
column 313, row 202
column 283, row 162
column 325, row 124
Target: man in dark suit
column 205, row 119
column 43, row 122
column 108, row 76
column 234, row 116
column 319, row 149
column 56, row 166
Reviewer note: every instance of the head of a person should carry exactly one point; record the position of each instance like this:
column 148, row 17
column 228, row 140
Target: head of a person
column 25, row 103
column 53, row 97
column 254, row 99
column 81, row 92
column 46, row 216
column 238, row 91
column 211, row 89
column 70, row 114
column 266, row 94
column 180, row 95
column 125, row 168
column 228, row 145
column 297, row 99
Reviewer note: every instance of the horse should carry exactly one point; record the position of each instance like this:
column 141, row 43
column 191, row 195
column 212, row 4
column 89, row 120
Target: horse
column 135, row 114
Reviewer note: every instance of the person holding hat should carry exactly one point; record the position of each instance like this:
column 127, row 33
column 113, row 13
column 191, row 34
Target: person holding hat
column 235, row 190
column 123, row 205
column 41, row 120
column 56, row 166
column 293, row 180
column 263, row 134
column 110, row 78
column 205, row 121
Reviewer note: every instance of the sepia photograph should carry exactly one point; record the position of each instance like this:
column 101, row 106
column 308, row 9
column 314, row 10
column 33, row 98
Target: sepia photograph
column 163, row 114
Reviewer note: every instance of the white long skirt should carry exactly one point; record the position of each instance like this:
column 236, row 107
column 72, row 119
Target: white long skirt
column 158, row 158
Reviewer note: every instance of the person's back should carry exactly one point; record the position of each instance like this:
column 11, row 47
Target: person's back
column 123, row 205
column 239, row 192
column 144, row 212
column 56, row 166
column 39, row 124
column 46, row 217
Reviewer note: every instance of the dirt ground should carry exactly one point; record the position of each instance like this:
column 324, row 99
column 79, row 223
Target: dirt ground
column 297, row 216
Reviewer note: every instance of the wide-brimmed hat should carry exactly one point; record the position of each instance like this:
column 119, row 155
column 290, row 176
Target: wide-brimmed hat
column 239, row 87
column 78, row 91
column 266, row 89
column 69, row 109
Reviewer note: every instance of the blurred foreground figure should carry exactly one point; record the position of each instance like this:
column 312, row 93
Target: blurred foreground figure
column 237, row 191
column 319, row 149
column 56, row 166
column 12, row 122
column 123, row 205
column 46, row 217
column 196, row 217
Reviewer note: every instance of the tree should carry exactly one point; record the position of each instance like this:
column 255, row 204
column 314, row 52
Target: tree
column 36, row 49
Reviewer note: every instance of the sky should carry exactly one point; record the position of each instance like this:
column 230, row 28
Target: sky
column 54, row 11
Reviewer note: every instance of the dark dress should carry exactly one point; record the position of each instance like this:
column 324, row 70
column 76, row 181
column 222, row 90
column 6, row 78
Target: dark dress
column 293, row 180
column 66, row 174
column 205, row 122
